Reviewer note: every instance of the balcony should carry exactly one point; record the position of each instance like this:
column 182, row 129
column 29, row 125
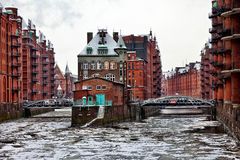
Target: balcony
column 34, row 56
column 213, row 51
column 16, row 64
column 34, row 64
column 212, row 30
column 16, row 75
column 236, row 66
column 44, row 56
column 233, row 33
column 16, row 44
column 34, row 48
column 45, row 76
column 34, row 91
column 44, row 69
column 15, row 54
column 15, row 89
column 232, row 10
column 45, row 63
column 34, row 72
column 45, row 83
column 15, row 35
column 217, row 64
column 34, row 79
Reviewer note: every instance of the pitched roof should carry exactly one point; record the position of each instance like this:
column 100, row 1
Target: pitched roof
column 100, row 41
column 120, row 43
column 67, row 69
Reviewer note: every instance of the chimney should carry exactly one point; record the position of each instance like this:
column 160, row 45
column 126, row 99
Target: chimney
column 89, row 36
column 115, row 36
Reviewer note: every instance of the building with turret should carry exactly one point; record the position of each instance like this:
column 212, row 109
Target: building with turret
column 102, row 57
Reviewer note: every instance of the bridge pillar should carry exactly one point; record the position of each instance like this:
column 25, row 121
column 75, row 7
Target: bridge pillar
column 27, row 113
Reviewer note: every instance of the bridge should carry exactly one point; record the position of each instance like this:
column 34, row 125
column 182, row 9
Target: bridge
column 48, row 103
column 177, row 101
column 181, row 105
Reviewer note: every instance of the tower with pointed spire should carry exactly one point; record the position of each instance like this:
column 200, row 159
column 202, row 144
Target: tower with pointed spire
column 68, row 90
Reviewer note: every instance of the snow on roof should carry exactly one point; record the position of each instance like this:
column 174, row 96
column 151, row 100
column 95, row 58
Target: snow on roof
column 121, row 43
column 197, row 65
column 110, row 44
column 182, row 70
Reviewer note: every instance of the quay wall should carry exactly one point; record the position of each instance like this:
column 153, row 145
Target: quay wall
column 229, row 115
column 113, row 114
column 10, row 111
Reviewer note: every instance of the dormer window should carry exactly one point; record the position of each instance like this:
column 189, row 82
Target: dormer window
column 89, row 50
column 102, row 50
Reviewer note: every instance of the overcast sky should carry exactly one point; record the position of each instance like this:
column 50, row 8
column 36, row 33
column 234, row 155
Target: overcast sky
column 181, row 27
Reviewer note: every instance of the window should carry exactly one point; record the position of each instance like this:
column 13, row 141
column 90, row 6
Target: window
column 110, row 77
column 85, row 66
column 106, row 65
column 102, row 50
column 89, row 50
column 99, row 65
column 98, row 87
column 104, row 87
column 89, row 87
column 113, row 65
column 85, row 77
column 93, row 66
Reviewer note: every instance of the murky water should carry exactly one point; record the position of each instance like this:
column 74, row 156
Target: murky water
column 155, row 138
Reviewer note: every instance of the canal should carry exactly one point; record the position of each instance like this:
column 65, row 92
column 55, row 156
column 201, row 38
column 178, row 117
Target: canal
column 154, row 138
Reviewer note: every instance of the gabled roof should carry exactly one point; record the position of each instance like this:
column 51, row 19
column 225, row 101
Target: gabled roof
column 94, row 45
column 120, row 43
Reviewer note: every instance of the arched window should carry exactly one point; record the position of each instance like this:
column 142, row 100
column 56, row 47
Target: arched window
column 4, row 90
column 99, row 65
column 110, row 77
column 113, row 65
column 93, row 65
column 106, row 65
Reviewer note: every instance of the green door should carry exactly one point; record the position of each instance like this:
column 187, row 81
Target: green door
column 100, row 99
column 90, row 100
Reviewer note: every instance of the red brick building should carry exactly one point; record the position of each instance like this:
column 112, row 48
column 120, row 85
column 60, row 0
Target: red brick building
column 38, row 65
column 10, row 56
column 147, row 49
column 65, row 81
column 225, row 49
column 184, row 81
column 93, row 87
column 135, row 76
column 206, row 76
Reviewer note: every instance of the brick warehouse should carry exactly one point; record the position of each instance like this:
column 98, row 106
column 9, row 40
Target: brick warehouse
column 135, row 76
column 11, row 63
column 15, row 46
column 147, row 49
column 11, row 56
column 226, row 61
column 206, row 75
column 38, row 65
column 183, row 81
